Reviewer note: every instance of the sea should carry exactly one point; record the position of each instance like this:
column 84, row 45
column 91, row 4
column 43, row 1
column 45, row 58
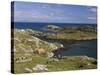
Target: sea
column 38, row 26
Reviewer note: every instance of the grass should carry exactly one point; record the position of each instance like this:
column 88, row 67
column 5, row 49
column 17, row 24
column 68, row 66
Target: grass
column 20, row 67
column 68, row 63
column 79, row 33
column 71, row 64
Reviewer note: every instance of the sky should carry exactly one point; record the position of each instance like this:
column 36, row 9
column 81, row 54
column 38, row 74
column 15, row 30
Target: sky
column 54, row 13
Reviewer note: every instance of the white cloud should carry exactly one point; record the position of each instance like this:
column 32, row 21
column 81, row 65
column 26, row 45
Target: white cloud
column 91, row 18
column 93, row 9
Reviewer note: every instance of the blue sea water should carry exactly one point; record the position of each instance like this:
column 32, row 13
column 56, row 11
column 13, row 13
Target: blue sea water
column 37, row 26
column 85, row 48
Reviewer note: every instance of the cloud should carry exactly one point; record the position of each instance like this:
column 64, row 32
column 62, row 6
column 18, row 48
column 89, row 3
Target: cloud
column 38, row 16
column 91, row 18
column 93, row 9
column 54, row 13
column 45, row 6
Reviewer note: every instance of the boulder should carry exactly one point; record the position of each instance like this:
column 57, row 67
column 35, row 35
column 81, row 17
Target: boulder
column 50, row 54
column 40, row 67
column 28, row 70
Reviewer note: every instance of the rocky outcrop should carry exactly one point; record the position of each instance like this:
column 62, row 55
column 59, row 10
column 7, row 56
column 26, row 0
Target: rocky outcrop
column 28, row 70
column 23, row 59
column 40, row 67
column 50, row 54
column 52, row 27
column 26, row 42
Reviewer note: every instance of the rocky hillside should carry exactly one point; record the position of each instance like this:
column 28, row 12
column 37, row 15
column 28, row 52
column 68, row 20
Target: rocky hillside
column 24, row 41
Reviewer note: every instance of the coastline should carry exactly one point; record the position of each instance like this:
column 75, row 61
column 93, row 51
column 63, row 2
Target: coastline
column 53, row 64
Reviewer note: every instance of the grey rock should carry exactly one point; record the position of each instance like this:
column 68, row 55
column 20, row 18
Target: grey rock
column 40, row 67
